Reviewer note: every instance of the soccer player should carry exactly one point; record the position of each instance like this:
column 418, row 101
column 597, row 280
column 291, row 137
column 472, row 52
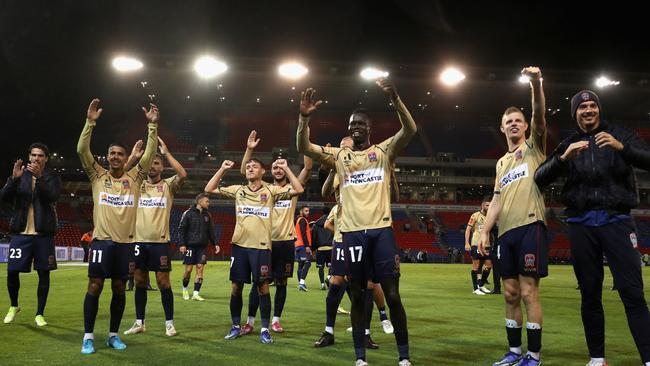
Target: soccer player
column 152, row 237
column 32, row 192
column 519, row 206
column 598, row 162
column 338, row 271
column 196, row 231
column 472, row 233
column 251, row 249
column 303, row 247
column 374, row 292
column 282, row 240
column 115, row 192
column 322, row 240
column 368, row 239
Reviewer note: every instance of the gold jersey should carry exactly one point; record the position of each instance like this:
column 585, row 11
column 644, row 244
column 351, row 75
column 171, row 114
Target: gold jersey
column 335, row 218
column 364, row 188
column 476, row 222
column 115, row 199
column 253, row 211
column 522, row 202
column 282, row 217
column 154, row 210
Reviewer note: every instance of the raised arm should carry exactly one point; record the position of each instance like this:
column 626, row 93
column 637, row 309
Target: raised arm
column 557, row 164
column 213, row 184
column 538, row 101
column 632, row 148
column 251, row 144
column 8, row 191
column 307, row 106
column 152, row 138
column 296, row 187
column 408, row 130
column 83, row 146
column 178, row 168
column 328, row 187
column 48, row 187
column 136, row 154
column 305, row 173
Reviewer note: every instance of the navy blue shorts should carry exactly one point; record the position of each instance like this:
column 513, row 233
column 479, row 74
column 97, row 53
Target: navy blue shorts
column 108, row 259
column 196, row 255
column 524, row 251
column 477, row 256
column 324, row 258
column 301, row 254
column 338, row 267
column 249, row 262
column 371, row 254
column 27, row 249
column 282, row 258
column 152, row 257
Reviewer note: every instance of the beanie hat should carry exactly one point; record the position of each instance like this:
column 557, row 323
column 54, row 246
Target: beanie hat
column 581, row 97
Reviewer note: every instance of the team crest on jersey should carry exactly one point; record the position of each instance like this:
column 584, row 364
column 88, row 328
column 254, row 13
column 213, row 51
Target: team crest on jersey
column 633, row 240
column 264, row 270
column 529, row 262
column 347, row 159
column 519, row 154
column 125, row 184
column 264, row 197
column 372, row 156
column 160, row 188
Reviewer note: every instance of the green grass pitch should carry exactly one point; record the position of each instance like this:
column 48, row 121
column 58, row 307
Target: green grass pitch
column 448, row 325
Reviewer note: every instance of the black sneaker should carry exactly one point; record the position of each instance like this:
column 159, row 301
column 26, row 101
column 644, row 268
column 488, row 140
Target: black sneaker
column 370, row 343
column 326, row 339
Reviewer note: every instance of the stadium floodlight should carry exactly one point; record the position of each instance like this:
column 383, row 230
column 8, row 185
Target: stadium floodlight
column 292, row 70
column 372, row 73
column 524, row 79
column 208, row 67
column 604, row 81
column 452, row 76
column 126, row 64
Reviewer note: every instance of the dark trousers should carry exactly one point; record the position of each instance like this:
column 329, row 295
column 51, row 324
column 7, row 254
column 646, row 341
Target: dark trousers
column 496, row 272
column 618, row 242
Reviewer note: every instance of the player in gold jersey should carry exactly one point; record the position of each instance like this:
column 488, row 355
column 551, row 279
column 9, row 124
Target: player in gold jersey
column 152, row 237
column 282, row 239
column 366, row 224
column 518, row 205
column 472, row 234
column 115, row 192
column 252, row 239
